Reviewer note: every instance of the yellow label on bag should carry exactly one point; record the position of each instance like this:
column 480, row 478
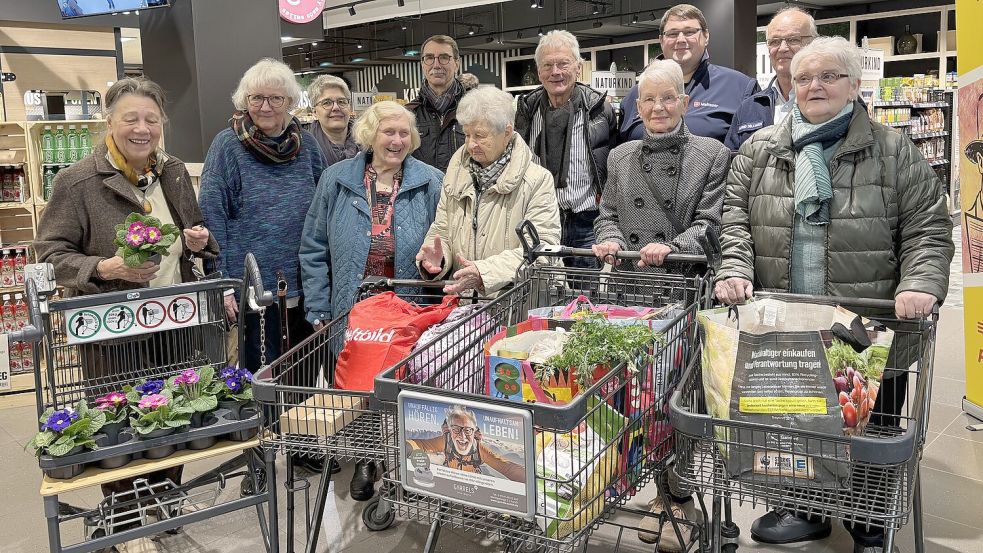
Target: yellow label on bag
column 783, row 405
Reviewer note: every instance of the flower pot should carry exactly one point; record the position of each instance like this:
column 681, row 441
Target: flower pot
column 206, row 419
column 111, row 462
column 68, row 471
column 158, row 452
column 247, row 412
column 155, row 259
column 233, row 406
column 112, row 430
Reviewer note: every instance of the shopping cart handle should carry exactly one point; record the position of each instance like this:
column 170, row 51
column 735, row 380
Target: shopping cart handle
column 34, row 331
column 863, row 303
column 253, row 279
column 385, row 283
column 533, row 248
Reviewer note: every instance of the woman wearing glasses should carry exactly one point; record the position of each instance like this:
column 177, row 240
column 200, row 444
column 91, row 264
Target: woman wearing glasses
column 259, row 173
column 332, row 126
column 831, row 203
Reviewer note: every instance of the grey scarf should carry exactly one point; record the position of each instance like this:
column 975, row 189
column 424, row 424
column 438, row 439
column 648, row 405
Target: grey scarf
column 443, row 102
column 485, row 177
column 813, row 184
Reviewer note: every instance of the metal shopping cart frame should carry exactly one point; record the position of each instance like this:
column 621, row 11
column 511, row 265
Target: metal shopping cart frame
column 880, row 467
column 68, row 377
column 545, row 286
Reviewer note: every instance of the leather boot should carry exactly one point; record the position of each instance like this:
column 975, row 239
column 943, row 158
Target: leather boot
column 363, row 481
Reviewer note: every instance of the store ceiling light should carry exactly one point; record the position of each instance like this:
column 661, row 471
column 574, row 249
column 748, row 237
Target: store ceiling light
column 533, row 3
column 598, row 24
column 518, row 34
column 286, row 39
column 326, row 64
column 541, row 33
column 596, row 10
column 314, row 44
column 351, row 11
column 402, row 25
column 401, row 3
column 471, row 31
column 359, row 45
column 634, row 19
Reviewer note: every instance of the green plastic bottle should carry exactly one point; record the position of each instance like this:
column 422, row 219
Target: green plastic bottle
column 48, row 145
column 49, row 180
column 61, row 145
column 73, row 144
column 85, row 142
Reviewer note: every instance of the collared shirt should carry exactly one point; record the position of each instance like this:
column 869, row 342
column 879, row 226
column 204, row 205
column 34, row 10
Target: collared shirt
column 783, row 107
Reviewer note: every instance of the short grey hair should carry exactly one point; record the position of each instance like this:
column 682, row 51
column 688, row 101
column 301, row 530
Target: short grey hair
column 846, row 55
column 137, row 86
column 267, row 73
column 487, row 104
column 558, row 39
column 324, row 82
column 664, row 71
column 787, row 10
column 460, row 412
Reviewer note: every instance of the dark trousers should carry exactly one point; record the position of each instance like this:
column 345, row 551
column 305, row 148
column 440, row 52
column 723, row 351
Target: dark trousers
column 577, row 231
column 297, row 325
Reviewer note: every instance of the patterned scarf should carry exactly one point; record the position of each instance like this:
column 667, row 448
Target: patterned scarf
column 121, row 165
column 265, row 149
column 441, row 103
column 485, row 177
column 813, row 184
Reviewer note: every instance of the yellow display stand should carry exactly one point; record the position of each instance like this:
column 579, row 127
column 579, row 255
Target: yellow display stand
column 969, row 20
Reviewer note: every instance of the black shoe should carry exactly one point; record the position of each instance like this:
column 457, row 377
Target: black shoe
column 780, row 526
column 363, row 481
column 315, row 464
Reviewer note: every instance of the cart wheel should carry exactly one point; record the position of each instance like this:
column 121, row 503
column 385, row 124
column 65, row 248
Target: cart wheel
column 376, row 518
column 246, row 486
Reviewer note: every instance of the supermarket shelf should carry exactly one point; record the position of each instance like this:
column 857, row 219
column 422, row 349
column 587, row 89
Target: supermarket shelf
column 55, row 165
column 11, row 289
column 892, row 104
column 17, row 205
column 526, row 88
column 936, row 162
column 924, row 135
column 923, row 105
column 910, row 57
column 899, row 124
column 14, row 165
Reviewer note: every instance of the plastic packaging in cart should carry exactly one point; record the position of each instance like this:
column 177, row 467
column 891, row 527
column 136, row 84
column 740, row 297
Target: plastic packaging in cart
column 819, row 371
column 424, row 367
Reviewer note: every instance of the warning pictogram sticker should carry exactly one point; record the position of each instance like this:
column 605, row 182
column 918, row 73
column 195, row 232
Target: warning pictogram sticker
column 118, row 319
column 84, row 324
column 150, row 314
column 181, row 309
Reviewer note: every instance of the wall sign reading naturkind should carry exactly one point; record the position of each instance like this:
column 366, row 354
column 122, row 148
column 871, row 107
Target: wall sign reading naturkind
column 467, row 452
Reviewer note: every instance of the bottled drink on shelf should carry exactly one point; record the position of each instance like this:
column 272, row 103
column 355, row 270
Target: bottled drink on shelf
column 85, row 142
column 48, row 145
column 20, row 261
column 20, row 194
column 72, row 138
column 49, row 180
column 61, row 145
column 7, row 270
column 20, row 312
column 7, row 187
column 8, row 314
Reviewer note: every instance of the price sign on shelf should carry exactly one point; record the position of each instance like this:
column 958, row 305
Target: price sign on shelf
column 4, row 363
column 131, row 318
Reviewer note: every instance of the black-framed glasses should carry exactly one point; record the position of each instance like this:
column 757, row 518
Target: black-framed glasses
column 256, row 100
column 826, row 77
column 467, row 430
column 792, row 41
column 687, row 33
column 328, row 103
column 444, row 59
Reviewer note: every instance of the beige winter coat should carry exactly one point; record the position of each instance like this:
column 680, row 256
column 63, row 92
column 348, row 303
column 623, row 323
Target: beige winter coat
column 523, row 191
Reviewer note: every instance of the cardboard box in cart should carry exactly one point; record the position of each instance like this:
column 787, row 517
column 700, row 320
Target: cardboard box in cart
column 322, row 415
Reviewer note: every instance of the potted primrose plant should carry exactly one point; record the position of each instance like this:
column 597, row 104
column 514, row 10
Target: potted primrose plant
column 66, row 432
column 193, row 389
column 116, row 430
column 140, row 238
column 234, row 390
column 155, row 414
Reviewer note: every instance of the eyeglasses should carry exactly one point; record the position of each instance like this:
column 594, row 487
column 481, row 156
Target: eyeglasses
column 688, row 33
column 650, row 102
column 561, row 65
column 792, row 41
column 467, row 430
column 256, row 100
column 328, row 103
column 444, row 59
column 826, row 77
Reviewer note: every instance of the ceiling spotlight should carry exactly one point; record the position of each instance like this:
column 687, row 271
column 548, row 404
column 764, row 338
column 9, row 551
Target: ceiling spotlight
column 314, row 43
column 598, row 24
column 401, row 3
column 351, row 10
column 540, row 4
column 518, row 34
column 533, row 3
column 470, row 30
column 359, row 45
column 402, row 25
column 596, row 10
column 541, row 33
column 652, row 16
column 490, row 39
column 634, row 19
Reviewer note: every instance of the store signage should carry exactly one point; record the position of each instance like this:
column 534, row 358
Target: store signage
column 132, row 318
column 362, row 100
column 300, row 11
column 616, row 83
column 4, row 363
column 872, row 65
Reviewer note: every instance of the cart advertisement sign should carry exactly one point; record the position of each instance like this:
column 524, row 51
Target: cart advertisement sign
column 142, row 316
column 467, row 452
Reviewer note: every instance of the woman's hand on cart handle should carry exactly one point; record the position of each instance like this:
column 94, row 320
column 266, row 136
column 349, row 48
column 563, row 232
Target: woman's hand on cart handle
column 114, row 268
column 196, row 238
column 606, row 252
column 914, row 305
column 653, row 254
column 431, row 257
column 231, row 308
column 733, row 290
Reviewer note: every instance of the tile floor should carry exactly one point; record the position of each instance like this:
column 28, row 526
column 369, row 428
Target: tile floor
column 952, row 483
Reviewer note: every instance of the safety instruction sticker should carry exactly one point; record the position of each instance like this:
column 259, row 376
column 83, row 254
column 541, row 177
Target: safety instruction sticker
column 132, row 318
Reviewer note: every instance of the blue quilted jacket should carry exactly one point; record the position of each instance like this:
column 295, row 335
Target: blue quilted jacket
column 335, row 243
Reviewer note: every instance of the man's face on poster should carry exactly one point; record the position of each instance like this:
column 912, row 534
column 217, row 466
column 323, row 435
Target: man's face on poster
column 463, row 434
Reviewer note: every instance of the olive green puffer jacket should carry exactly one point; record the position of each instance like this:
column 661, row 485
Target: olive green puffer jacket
column 890, row 230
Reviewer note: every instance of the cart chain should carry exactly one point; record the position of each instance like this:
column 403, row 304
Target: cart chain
column 262, row 336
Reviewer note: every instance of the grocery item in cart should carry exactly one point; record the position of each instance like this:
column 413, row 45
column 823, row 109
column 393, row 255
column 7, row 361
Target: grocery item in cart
column 446, row 353
column 382, row 331
column 791, row 365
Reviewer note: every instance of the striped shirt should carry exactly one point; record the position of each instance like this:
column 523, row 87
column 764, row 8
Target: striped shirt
column 578, row 195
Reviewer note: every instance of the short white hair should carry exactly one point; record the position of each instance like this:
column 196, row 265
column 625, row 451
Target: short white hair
column 557, row 39
column 844, row 53
column 324, row 82
column 267, row 73
column 489, row 105
column 664, row 71
column 790, row 10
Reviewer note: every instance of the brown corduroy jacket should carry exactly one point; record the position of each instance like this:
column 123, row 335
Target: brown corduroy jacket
column 88, row 200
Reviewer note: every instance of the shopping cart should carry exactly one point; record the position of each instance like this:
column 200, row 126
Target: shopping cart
column 877, row 471
column 307, row 415
column 562, row 500
column 100, row 343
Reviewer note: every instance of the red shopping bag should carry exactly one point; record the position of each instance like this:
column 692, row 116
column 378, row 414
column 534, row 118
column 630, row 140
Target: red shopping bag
column 382, row 330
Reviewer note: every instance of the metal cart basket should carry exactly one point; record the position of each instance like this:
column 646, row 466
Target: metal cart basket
column 876, row 471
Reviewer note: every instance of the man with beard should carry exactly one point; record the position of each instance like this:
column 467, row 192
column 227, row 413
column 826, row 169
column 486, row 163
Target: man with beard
column 790, row 30
column 435, row 108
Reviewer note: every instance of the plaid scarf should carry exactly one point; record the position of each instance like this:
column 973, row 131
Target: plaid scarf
column 813, row 185
column 485, row 177
column 266, row 149
column 441, row 103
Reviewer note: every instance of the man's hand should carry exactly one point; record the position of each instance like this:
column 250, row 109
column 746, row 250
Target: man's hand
column 734, row 290
column 431, row 258
column 654, row 254
column 466, row 278
column 914, row 305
